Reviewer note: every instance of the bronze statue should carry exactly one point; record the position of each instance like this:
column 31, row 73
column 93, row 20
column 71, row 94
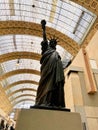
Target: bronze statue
column 51, row 85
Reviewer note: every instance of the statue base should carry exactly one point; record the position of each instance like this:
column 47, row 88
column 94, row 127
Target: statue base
column 50, row 108
column 48, row 119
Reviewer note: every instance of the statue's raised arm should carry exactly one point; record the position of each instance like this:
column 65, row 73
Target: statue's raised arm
column 43, row 23
column 44, row 43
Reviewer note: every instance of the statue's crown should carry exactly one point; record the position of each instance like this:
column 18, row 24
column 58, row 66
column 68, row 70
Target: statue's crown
column 53, row 42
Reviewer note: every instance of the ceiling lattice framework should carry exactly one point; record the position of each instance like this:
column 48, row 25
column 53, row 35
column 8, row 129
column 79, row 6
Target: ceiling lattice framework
column 23, row 95
column 27, row 99
column 34, row 29
column 19, row 27
column 31, row 71
column 91, row 5
column 20, row 82
column 21, row 90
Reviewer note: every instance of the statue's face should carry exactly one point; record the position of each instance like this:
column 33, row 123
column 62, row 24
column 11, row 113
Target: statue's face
column 53, row 43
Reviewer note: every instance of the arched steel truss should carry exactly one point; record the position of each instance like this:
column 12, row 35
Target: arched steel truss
column 20, row 82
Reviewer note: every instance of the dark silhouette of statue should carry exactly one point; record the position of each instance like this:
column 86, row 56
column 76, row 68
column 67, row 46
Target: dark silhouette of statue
column 2, row 125
column 51, row 85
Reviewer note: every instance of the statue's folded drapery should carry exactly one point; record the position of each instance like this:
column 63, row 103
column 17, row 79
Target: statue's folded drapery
column 51, row 85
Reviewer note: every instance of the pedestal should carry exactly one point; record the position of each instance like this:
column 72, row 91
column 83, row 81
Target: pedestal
column 42, row 119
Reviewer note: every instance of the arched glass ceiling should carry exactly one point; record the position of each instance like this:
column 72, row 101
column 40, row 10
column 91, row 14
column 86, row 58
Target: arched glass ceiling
column 24, row 92
column 17, row 43
column 13, row 98
column 24, row 104
column 20, row 93
column 64, row 15
column 20, row 64
column 19, row 77
column 14, row 43
column 22, row 98
column 27, row 85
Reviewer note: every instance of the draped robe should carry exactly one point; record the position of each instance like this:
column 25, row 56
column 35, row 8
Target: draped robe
column 51, row 85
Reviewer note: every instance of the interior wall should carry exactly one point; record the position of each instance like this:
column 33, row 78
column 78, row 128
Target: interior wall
column 92, row 48
column 77, row 97
column 5, row 104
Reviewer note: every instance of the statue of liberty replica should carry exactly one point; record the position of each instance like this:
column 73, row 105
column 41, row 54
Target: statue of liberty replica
column 51, row 85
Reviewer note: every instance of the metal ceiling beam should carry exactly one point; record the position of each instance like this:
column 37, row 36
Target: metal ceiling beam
column 14, row 42
column 20, row 82
column 21, row 90
column 20, row 71
column 75, row 29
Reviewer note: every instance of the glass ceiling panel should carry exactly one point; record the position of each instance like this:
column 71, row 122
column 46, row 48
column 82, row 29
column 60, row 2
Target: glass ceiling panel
column 14, row 43
column 24, row 104
column 17, row 43
column 27, row 85
column 67, row 16
column 24, row 76
column 21, row 93
column 20, row 64
column 21, row 98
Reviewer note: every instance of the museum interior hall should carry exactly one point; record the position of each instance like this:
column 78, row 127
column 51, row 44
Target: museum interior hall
column 74, row 23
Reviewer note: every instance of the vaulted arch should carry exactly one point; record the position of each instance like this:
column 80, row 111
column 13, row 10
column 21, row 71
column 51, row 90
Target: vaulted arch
column 19, row 71
column 19, row 83
column 27, row 99
column 23, row 95
column 21, row 55
column 21, row 90
column 21, row 27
